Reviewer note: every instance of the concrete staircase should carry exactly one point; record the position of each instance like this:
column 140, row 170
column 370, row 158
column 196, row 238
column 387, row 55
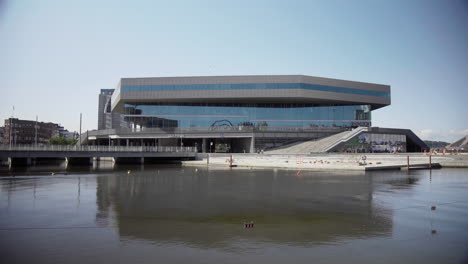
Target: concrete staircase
column 345, row 138
column 321, row 145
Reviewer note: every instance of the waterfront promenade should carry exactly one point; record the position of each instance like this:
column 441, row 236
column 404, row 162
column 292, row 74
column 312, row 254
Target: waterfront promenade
column 28, row 155
column 334, row 161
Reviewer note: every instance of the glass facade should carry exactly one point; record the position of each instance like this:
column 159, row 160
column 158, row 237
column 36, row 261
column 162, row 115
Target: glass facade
column 253, row 115
column 375, row 143
column 252, row 86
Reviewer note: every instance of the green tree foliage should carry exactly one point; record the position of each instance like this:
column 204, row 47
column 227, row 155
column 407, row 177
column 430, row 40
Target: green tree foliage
column 62, row 141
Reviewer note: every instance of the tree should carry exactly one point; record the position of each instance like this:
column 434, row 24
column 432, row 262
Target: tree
column 62, row 141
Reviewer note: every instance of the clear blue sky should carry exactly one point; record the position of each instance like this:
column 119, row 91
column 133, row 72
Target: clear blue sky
column 56, row 55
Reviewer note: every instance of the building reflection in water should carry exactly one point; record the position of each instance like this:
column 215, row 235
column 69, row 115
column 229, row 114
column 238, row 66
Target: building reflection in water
column 207, row 207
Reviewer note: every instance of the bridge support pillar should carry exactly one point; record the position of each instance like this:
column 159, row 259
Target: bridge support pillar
column 204, row 145
column 252, row 145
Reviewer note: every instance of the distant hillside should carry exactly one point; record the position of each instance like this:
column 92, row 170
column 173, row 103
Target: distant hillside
column 436, row 144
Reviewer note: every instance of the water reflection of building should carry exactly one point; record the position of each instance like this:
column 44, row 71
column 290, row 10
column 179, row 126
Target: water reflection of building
column 207, row 208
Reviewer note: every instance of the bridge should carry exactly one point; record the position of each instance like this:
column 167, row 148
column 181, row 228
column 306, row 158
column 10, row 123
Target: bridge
column 28, row 154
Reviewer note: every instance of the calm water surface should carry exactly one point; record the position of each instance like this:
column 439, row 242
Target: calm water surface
column 171, row 214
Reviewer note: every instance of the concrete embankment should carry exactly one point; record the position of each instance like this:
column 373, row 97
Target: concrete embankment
column 333, row 161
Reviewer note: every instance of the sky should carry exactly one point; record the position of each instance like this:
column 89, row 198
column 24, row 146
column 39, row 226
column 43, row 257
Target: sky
column 55, row 56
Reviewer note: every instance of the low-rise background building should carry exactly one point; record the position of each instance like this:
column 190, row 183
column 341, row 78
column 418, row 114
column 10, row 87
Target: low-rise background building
column 17, row 131
column 62, row 132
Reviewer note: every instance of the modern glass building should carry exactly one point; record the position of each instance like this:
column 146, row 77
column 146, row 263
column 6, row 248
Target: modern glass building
column 278, row 101
column 240, row 113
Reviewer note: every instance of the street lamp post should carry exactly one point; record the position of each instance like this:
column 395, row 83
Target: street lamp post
column 80, row 130
column 15, row 136
column 35, row 133
column 11, row 127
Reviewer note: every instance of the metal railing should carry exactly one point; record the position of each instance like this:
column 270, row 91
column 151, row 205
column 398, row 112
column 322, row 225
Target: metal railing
column 89, row 148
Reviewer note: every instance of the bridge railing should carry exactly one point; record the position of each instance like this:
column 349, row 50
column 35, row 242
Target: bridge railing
column 89, row 148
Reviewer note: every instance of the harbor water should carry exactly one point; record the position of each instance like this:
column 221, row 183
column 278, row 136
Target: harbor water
column 174, row 214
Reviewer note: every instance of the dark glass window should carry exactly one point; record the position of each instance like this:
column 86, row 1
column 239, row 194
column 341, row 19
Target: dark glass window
column 270, row 115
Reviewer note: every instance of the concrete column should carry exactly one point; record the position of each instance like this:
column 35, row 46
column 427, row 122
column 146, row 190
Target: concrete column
column 128, row 142
column 204, row 145
column 142, row 160
column 252, row 145
column 28, row 161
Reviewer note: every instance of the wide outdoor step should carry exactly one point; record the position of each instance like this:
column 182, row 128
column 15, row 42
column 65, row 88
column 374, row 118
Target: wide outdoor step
column 307, row 147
